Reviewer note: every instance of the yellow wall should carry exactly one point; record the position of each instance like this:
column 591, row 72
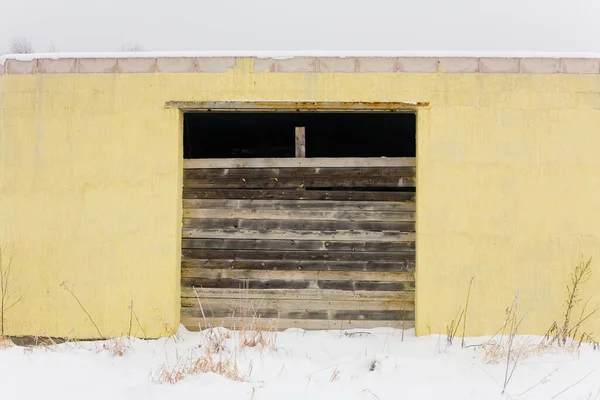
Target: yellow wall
column 90, row 182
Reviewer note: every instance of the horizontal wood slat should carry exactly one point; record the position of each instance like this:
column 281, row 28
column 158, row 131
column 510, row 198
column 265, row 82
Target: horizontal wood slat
column 228, row 283
column 296, row 275
column 353, row 235
column 195, row 323
column 314, row 215
column 299, row 162
column 277, row 194
column 302, row 265
column 313, row 205
column 292, row 245
column 257, row 243
column 292, row 182
column 242, row 307
column 293, row 294
column 291, row 224
column 254, row 173
column 373, row 315
column 297, row 255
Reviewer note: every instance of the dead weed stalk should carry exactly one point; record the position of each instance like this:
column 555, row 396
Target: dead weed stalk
column 513, row 324
column 461, row 316
column 506, row 348
column 64, row 286
column 216, row 339
column 566, row 333
column 6, row 300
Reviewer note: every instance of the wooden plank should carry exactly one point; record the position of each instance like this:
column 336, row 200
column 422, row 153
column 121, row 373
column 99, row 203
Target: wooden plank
column 297, row 255
column 299, row 183
column 254, row 173
column 300, row 142
column 298, row 162
column 330, row 314
column 244, row 306
column 226, row 283
column 387, row 236
column 298, row 106
column 296, row 295
column 266, row 275
column 405, row 206
column 275, row 194
column 294, row 265
column 293, row 245
column 291, row 224
column 315, row 215
column 197, row 323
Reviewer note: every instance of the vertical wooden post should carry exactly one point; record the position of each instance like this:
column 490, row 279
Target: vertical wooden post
column 300, row 142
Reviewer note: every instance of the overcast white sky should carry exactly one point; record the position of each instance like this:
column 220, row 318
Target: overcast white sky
column 417, row 25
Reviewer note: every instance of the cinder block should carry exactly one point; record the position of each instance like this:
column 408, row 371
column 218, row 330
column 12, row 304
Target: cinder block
column 378, row 64
column 540, row 65
column 418, row 64
column 17, row 67
column 97, row 65
column 338, row 64
column 176, row 64
column 459, row 64
column 500, row 65
column 580, row 66
column 57, row 66
column 298, row 64
column 136, row 65
column 215, row 64
column 265, row 64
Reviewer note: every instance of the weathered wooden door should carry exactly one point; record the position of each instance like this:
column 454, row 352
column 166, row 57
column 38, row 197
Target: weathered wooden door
column 308, row 243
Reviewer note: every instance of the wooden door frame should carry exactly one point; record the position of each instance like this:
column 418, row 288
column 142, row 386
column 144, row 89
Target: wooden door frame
column 420, row 108
column 299, row 106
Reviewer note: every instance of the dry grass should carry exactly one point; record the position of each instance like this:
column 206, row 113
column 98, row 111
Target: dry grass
column 171, row 332
column 215, row 339
column 41, row 343
column 496, row 352
column 201, row 365
column 505, row 347
column 117, row 347
column 219, row 348
column 335, row 374
column 5, row 343
column 255, row 337
column 252, row 335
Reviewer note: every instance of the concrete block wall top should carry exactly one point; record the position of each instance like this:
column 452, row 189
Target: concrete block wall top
column 300, row 64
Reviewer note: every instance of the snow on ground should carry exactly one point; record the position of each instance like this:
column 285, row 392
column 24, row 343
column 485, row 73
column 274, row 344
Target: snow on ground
column 358, row 364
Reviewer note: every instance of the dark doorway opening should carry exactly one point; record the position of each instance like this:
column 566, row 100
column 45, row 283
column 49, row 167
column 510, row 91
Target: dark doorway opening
column 271, row 134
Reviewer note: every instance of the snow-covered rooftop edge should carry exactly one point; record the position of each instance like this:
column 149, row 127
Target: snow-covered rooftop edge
column 307, row 53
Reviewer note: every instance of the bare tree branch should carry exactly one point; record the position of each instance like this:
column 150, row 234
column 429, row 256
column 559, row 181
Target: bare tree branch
column 52, row 48
column 21, row 45
column 132, row 47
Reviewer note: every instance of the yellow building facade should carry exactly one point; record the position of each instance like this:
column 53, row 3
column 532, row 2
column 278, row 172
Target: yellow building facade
column 91, row 161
